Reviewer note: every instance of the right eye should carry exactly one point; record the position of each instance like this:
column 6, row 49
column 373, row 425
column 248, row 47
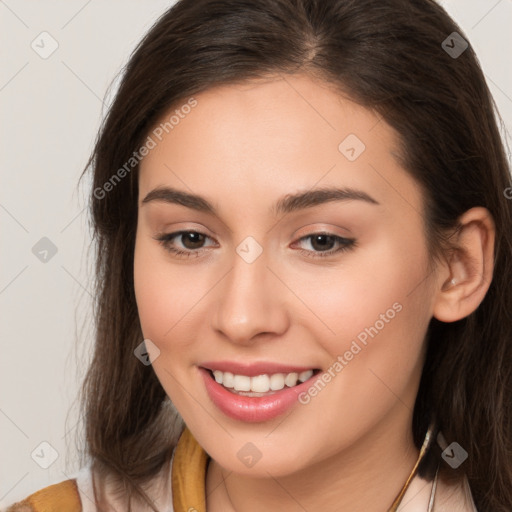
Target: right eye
column 191, row 242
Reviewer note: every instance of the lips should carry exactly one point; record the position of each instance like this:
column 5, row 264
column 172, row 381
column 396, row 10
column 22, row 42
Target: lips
column 257, row 392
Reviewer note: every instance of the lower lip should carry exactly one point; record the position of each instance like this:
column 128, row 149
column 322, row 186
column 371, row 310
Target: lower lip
column 252, row 409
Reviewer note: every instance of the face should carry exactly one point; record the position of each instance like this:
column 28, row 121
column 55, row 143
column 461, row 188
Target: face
column 248, row 290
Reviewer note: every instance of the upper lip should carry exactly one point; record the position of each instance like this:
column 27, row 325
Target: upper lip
column 254, row 369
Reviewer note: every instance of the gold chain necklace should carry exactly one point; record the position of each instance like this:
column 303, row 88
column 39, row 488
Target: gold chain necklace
column 424, row 448
column 396, row 503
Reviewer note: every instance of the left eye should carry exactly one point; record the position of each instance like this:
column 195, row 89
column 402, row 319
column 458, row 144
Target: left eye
column 326, row 244
column 192, row 243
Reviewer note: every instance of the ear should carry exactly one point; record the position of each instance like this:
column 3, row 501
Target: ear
column 465, row 279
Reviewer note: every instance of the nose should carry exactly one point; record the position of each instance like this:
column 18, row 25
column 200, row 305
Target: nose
column 250, row 302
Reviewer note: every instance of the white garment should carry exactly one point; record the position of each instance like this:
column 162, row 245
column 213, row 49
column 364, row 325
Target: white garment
column 457, row 498
column 416, row 498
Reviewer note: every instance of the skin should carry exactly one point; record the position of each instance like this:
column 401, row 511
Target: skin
column 243, row 147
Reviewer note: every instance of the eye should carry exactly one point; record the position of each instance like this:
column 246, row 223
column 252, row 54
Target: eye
column 191, row 242
column 325, row 244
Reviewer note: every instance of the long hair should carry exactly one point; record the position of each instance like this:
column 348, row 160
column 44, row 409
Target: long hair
column 387, row 55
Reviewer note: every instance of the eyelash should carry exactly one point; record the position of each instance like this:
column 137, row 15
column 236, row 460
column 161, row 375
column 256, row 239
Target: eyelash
column 346, row 244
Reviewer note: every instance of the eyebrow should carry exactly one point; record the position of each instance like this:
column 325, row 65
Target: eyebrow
column 287, row 204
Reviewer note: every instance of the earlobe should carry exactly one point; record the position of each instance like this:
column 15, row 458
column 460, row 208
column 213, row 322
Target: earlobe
column 468, row 275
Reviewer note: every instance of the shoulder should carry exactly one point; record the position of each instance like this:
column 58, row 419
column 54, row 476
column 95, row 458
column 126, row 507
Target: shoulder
column 54, row 498
column 446, row 493
column 453, row 495
column 78, row 494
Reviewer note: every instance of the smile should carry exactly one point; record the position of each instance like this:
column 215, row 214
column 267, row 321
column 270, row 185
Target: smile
column 255, row 386
column 257, row 392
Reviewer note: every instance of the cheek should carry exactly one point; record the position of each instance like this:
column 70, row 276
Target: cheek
column 155, row 284
column 368, row 287
column 170, row 298
column 150, row 292
column 164, row 304
column 374, row 315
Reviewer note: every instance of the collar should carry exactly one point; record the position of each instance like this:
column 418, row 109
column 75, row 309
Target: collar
column 189, row 474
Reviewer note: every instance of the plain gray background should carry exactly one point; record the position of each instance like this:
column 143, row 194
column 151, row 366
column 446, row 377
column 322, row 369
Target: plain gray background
column 51, row 109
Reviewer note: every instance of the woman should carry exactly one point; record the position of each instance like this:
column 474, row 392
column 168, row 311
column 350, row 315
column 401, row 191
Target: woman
column 304, row 261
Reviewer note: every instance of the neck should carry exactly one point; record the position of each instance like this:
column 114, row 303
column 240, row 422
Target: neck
column 367, row 476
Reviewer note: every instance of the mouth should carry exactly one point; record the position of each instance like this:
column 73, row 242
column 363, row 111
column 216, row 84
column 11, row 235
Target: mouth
column 264, row 384
column 249, row 394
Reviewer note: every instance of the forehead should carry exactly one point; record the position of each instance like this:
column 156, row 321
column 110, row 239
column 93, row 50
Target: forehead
column 284, row 133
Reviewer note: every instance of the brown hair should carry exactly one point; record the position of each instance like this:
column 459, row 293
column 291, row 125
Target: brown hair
column 388, row 56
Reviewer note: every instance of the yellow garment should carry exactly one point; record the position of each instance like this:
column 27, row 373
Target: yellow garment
column 188, row 484
column 55, row 498
column 189, row 475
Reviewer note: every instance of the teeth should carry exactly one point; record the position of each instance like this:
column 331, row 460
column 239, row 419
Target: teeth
column 277, row 382
column 291, row 379
column 228, row 380
column 242, row 383
column 261, row 383
column 304, row 376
